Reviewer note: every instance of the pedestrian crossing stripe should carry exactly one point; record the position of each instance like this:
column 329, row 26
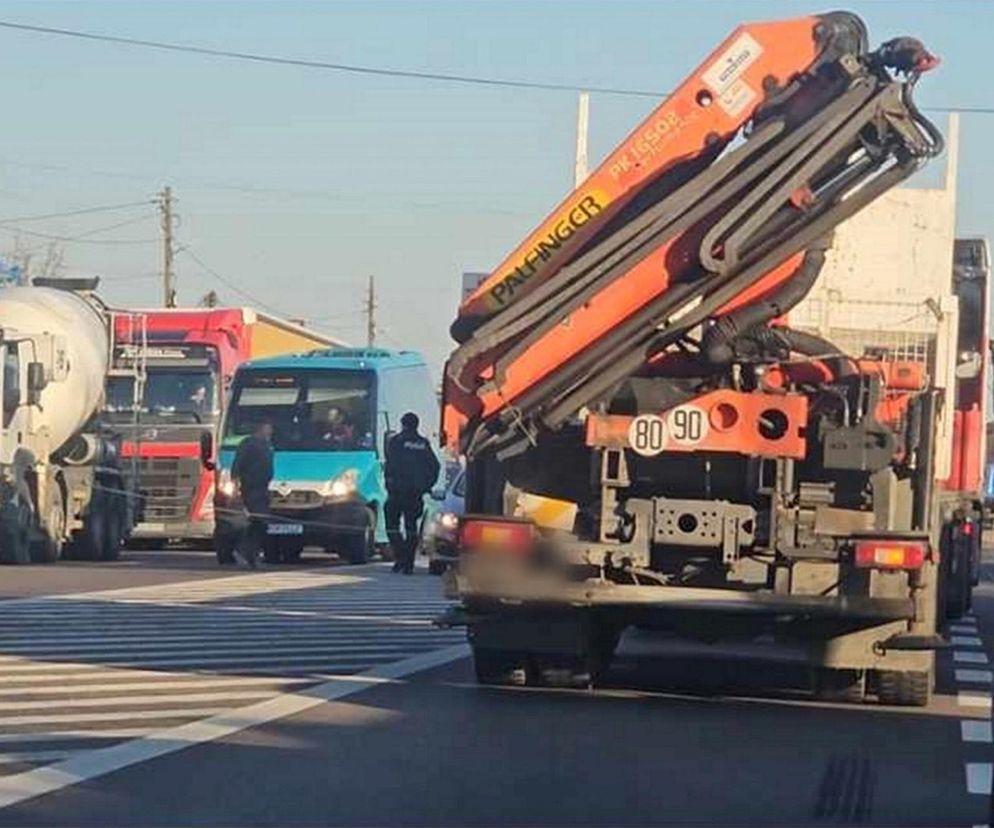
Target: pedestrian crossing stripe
column 86, row 671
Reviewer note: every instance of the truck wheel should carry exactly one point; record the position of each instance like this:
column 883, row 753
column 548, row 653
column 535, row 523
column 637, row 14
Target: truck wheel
column 847, row 686
column 49, row 548
column 15, row 540
column 906, row 688
column 500, row 667
column 111, row 549
column 959, row 590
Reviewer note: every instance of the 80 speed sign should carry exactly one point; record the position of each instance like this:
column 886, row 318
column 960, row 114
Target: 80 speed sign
column 685, row 425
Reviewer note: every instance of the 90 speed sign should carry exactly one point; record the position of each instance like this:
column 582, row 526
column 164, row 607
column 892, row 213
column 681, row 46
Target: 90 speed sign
column 684, row 426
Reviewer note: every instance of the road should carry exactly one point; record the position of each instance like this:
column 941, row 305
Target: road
column 161, row 691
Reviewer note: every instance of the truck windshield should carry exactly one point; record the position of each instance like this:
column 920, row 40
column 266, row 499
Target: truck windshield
column 171, row 395
column 310, row 410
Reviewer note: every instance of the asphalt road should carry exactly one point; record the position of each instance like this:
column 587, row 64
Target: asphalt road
column 160, row 691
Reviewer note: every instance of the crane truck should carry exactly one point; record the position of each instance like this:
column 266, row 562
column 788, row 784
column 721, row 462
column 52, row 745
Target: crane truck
column 62, row 478
column 650, row 442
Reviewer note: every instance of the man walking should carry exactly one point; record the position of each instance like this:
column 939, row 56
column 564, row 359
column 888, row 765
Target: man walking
column 411, row 470
column 252, row 470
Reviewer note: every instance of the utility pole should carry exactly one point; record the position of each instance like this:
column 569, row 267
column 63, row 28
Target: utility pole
column 580, row 171
column 165, row 202
column 371, row 314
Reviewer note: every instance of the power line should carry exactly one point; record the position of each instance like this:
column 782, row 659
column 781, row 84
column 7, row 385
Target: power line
column 320, row 64
column 83, row 237
column 83, row 211
column 228, row 283
column 442, row 77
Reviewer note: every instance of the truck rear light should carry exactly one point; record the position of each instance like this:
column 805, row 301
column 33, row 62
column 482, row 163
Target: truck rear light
column 966, row 527
column 883, row 554
column 495, row 534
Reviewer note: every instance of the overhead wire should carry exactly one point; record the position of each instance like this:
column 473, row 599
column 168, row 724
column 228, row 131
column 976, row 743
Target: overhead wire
column 380, row 71
column 104, row 208
column 6, row 226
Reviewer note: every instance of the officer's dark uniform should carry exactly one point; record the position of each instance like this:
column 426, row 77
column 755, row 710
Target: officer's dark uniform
column 253, row 470
column 411, row 470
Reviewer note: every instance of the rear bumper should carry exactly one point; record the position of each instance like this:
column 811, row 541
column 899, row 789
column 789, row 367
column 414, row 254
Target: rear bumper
column 522, row 594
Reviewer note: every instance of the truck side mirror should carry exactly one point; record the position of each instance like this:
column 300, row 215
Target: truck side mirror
column 36, row 377
column 207, row 450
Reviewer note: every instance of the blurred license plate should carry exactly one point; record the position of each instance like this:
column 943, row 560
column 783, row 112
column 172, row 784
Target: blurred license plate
column 285, row 529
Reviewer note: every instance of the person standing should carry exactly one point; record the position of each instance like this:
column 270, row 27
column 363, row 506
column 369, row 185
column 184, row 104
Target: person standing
column 252, row 471
column 411, row 471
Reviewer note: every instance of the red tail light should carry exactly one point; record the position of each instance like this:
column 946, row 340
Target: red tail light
column 495, row 534
column 885, row 554
column 966, row 528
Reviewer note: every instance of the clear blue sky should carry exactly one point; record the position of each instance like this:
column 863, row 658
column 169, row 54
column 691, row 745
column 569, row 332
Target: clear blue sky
column 297, row 183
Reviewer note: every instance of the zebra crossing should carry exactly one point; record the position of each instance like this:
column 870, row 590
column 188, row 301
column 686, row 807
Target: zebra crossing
column 90, row 670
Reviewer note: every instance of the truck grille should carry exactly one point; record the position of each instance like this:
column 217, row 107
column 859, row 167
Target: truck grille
column 298, row 498
column 168, row 486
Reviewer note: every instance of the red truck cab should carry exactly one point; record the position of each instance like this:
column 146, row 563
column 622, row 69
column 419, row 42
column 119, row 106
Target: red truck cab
column 191, row 356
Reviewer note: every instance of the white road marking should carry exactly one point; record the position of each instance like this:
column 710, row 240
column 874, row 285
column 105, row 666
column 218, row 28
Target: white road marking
column 978, row 778
column 29, row 756
column 975, row 676
column 77, row 689
column 976, row 730
column 87, row 765
column 134, row 701
column 73, row 735
column 975, row 699
column 966, row 641
column 115, row 716
column 965, row 629
column 966, row 657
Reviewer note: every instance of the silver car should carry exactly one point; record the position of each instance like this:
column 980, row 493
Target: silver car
column 440, row 530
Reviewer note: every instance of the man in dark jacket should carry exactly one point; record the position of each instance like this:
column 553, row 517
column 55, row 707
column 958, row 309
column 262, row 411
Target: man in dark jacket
column 411, row 471
column 252, row 470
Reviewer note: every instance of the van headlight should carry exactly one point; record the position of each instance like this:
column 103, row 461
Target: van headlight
column 225, row 485
column 343, row 485
column 448, row 520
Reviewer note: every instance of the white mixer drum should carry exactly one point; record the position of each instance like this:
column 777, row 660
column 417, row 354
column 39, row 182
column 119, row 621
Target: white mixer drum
column 69, row 403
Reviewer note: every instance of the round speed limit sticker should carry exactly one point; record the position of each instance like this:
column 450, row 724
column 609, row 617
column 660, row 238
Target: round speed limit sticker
column 647, row 435
column 687, row 424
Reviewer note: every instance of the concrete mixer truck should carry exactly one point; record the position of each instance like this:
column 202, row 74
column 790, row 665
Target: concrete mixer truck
column 62, row 486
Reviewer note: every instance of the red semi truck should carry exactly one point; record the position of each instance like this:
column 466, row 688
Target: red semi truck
column 191, row 356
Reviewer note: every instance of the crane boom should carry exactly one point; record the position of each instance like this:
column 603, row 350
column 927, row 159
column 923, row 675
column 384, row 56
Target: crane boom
column 718, row 201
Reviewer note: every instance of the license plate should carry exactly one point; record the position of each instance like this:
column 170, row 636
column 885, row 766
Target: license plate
column 285, row 529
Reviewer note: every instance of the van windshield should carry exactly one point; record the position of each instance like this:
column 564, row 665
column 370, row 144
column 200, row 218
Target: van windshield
column 315, row 410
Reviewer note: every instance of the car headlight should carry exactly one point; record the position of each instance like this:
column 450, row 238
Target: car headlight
column 448, row 520
column 225, row 485
column 343, row 485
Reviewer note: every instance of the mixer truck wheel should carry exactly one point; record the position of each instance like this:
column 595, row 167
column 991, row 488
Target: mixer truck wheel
column 113, row 525
column 49, row 548
column 15, row 537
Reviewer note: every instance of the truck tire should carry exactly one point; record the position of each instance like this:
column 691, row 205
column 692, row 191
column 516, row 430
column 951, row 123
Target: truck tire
column 49, row 548
column 502, row 668
column 904, row 688
column 959, row 589
column 15, row 537
column 113, row 528
column 847, row 686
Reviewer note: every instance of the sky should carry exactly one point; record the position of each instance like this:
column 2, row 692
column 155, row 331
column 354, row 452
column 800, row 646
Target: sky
column 295, row 185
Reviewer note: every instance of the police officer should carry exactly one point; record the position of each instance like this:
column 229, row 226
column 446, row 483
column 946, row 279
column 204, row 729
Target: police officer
column 411, row 470
column 252, row 470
